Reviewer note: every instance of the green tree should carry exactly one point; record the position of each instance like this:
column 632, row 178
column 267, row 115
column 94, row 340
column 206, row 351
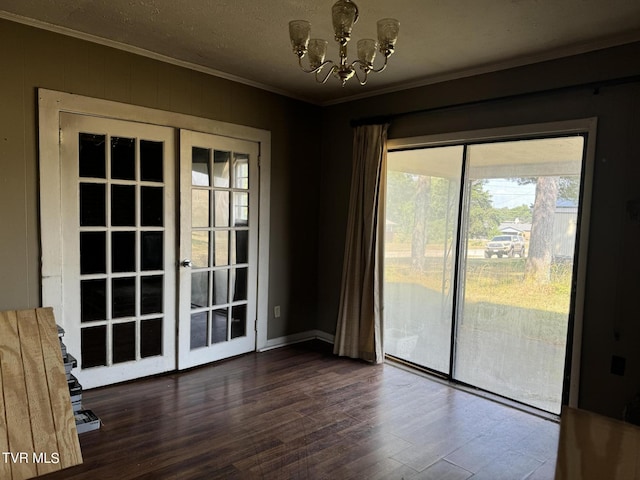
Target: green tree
column 522, row 213
column 401, row 192
column 483, row 218
column 445, row 194
column 569, row 188
column 419, row 235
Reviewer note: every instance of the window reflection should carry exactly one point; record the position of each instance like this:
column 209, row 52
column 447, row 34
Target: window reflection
column 219, row 326
column 241, row 209
column 221, row 209
column 241, row 170
column 200, row 166
column 221, row 168
column 198, row 330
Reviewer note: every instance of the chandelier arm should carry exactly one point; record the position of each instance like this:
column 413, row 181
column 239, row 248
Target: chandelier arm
column 384, row 65
column 329, row 72
column 363, row 65
column 366, row 74
column 313, row 70
column 367, row 67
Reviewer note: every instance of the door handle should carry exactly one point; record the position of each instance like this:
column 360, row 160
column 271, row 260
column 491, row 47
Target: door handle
column 186, row 263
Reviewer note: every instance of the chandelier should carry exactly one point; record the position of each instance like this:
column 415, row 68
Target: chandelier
column 345, row 15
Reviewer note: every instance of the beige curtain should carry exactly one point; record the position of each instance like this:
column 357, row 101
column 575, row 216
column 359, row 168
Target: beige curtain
column 359, row 328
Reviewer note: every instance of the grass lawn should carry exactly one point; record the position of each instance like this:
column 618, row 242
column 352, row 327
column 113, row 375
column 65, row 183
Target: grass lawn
column 492, row 280
column 511, row 334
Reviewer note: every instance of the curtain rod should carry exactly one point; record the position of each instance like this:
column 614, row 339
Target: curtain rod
column 595, row 86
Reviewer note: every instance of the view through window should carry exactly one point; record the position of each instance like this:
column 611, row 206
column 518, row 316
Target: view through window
column 495, row 282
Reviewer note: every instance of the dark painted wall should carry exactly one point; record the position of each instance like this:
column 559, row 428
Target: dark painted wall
column 32, row 58
column 611, row 320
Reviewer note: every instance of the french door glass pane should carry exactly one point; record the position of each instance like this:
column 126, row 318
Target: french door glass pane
column 152, row 206
column 92, row 157
column 516, row 276
column 239, row 284
column 123, row 205
column 219, row 326
column 93, row 346
column 241, row 209
column 151, row 337
column 151, row 167
column 200, row 289
column 93, row 211
column 123, row 252
column 127, row 251
column 152, row 295
column 221, row 209
column 423, row 191
column 93, row 300
column 221, row 248
column 220, row 287
column 238, row 321
column 200, row 166
column 123, row 158
column 221, row 169
column 200, row 248
column 199, row 208
column 198, row 330
column 124, row 342
column 241, row 171
column 93, row 252
column 152, row 251
column 123, row 297
column 240, row 250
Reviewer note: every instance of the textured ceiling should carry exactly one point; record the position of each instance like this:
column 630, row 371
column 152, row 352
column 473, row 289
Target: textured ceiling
column 247, row 40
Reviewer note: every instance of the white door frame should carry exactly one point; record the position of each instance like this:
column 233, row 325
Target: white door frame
column 51, row 104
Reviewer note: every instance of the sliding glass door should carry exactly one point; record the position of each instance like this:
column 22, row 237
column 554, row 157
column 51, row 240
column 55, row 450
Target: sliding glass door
column 423, row 193
column 479, row 262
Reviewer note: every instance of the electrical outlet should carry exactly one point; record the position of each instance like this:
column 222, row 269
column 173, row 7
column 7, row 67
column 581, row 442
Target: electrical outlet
column 276, row 311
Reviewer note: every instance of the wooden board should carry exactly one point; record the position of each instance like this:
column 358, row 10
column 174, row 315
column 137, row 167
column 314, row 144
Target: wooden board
column 37, row 426
column 594, row 447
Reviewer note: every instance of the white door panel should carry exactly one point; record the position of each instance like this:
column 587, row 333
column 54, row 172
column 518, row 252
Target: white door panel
column 119, row 267
column 218, row 247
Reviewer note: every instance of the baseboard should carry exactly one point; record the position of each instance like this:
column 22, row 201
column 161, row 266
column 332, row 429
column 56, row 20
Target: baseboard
column 297, row 338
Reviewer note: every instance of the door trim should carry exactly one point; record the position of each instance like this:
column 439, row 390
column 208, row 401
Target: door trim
column 51, row 103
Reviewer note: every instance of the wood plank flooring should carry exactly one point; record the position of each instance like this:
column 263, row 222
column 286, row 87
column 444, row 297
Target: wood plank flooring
column 301, row 413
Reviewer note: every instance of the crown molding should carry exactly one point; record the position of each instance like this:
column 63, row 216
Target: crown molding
column 147, row 53
column 628, row 37
column 558, row 53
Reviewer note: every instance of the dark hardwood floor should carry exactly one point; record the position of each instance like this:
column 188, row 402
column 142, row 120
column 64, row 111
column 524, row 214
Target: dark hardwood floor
column 299, row 412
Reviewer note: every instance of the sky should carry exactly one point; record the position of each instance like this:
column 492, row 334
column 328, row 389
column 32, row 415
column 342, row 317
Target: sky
column 507, row 193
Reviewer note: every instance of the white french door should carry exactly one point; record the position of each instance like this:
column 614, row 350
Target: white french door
column 218, row 247
column 114, row 194
column 136, row 301
column 118, row 247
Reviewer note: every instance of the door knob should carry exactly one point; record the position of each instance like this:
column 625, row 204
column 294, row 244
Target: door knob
column 186, row 263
